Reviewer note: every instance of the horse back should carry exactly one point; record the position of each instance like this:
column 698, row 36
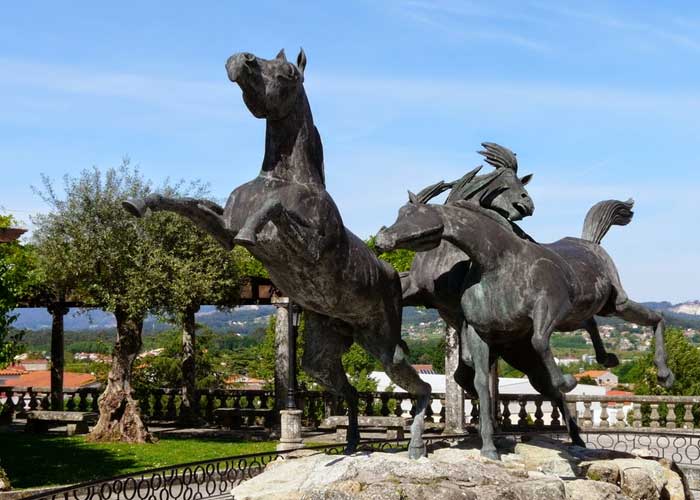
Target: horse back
column 591, row 271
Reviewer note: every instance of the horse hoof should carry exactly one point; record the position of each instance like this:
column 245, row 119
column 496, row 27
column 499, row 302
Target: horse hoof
column 666, row 378
column 416, row 451
column 350, row 449
column 135, row 207
column 245, row 238
column 611, row 361
column 568, row 384
column 490, row 453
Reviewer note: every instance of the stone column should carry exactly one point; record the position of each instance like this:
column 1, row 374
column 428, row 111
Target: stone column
column 290, row 430
column 282, row 361
column 58, row 310
column 454, row 395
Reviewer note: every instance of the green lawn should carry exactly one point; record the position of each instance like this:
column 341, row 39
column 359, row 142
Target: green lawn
column 36, row 460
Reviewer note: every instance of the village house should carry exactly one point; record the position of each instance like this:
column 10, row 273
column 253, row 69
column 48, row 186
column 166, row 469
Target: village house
column 604, row 378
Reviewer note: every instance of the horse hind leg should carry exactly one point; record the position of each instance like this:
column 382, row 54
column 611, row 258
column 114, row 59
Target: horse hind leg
column 544, row 318
column 325, row 342
column 637, row 313
column 607, row 359
column 392, row 353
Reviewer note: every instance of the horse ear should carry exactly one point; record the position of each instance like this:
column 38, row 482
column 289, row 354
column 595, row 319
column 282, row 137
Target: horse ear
column 281, row 56
column 525, row 179
column 412, row 198
column 301, row 61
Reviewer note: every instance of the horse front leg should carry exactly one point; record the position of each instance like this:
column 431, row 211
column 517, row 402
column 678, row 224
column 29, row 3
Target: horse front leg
column 479, row 353
column 288, row 223
column 205, row 214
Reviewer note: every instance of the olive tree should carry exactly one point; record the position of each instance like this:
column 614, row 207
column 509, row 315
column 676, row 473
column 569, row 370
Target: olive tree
column 17, row 277
column 88, row 240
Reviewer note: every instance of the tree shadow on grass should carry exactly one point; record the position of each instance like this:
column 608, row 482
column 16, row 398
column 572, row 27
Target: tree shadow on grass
column 41, row 460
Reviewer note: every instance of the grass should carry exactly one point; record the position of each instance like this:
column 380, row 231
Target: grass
column 41, row 460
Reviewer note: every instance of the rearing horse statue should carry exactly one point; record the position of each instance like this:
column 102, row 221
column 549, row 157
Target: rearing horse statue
column 520, row 291
column 286, row 219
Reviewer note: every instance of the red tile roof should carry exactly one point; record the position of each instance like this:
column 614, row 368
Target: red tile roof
column 592, row 373
column 425, row 369
column 13, row 370
column 42, row 379
column 615, row 392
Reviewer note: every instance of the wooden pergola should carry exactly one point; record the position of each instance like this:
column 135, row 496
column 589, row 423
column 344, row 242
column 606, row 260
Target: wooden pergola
column 10, row 234
column 254, row 290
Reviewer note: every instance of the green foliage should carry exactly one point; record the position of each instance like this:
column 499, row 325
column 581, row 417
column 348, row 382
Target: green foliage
column 18, row 276
column 249, row 265
column 89, row 247
column 400, row 259
column 628, row 373
column 587, row 380
column 359, row 365
column 684, row 362
column 430, row 351
column 196, row 269
column 568, row 342
column 505, row 370
column 165, row 369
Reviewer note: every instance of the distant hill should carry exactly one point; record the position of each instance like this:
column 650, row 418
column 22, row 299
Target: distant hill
column 240, row 320
column 246, row 319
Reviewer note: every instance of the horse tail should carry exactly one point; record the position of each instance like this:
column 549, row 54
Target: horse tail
column 605, row 214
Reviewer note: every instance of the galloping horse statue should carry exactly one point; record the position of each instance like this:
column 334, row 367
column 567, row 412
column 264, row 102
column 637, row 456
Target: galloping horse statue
column 437, row 277
column 518, row 291
column 286, row 219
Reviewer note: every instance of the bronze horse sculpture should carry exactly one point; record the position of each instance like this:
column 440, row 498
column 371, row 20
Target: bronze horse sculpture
column 436, row 278
column 286, row 219
column 519, row 291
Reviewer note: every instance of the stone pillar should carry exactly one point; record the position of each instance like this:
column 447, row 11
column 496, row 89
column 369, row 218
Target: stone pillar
column 57, row 310
column 290, row 435
column 454, row 395
column 282, row 361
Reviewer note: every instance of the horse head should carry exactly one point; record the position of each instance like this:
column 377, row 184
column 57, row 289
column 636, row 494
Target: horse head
column 501, row 190
column 271, row 87
column 418, row 227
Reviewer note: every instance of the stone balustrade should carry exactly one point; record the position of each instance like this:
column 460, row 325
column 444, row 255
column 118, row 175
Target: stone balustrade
column 513, row 413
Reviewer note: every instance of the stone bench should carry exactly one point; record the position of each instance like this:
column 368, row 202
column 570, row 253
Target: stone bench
column 370, row 426
column 234, row 418
column 76, row 422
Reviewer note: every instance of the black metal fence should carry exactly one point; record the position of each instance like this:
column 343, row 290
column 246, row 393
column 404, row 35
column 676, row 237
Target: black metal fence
column 202, row 480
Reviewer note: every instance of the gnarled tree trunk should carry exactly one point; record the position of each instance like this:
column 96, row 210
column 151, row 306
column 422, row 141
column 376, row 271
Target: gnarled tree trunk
column 120, row 418
column 189, row 408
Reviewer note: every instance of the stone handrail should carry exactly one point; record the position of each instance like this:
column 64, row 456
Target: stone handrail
column 516, row 412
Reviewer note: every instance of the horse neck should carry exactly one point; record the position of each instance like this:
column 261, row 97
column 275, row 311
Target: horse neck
column 477, row 234
column 293, row 150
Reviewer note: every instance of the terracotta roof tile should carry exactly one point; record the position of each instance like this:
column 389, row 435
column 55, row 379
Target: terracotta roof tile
column 42, row 379
column 14, row 370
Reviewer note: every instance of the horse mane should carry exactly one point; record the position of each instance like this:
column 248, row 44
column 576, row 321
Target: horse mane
column 499, row 157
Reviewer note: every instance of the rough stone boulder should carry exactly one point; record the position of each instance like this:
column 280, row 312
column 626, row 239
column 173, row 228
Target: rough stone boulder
column 4, row 481
column 540, row 469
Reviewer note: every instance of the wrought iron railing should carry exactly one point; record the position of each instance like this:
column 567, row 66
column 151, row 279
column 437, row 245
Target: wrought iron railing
column 204, row 479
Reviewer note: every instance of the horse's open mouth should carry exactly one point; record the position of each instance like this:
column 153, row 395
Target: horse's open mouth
column 522, row 209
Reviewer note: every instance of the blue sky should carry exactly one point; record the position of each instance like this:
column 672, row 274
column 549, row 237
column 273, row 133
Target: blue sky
column 599, row 100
